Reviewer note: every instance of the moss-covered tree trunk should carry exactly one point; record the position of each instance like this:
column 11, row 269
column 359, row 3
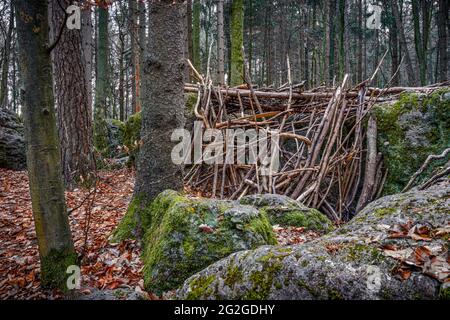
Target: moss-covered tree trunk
column 162, row 103
column 220, row 44
column 196, row 34
column 56, row 248
column 72, row 96
column 101, row 84
column 237, row 41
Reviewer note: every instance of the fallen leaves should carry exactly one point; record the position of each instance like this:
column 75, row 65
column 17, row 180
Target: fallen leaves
column 105, row 266
column 432, row 261
column 293, row 235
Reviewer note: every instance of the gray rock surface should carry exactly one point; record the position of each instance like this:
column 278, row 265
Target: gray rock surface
column 12, row 142
column 358, row 261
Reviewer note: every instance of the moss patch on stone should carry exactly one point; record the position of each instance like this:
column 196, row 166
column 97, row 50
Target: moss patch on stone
column 410, row 130
column 182, row 235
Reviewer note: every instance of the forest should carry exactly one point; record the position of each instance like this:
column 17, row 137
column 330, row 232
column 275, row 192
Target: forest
column 224, row 150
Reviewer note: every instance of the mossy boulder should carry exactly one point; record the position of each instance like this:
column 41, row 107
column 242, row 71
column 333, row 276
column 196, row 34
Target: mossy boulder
column 115, row 129
column 132, row 135
column 409, row 130
column 12, row 141
column 348, row 263
column 285, row 211
column 183, row 235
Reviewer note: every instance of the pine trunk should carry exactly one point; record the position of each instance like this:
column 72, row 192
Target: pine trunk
column 71, row 91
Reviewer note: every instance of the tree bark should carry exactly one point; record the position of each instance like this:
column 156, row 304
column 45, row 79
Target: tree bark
column 54, row 238
column 86, row 34
column 5, row 62
column 443, row 40
column 101, row 85
column 237, row 41
column 409, row 67
column 71, row 89
column 163, row 101
column 196, row 35
column 220, row 43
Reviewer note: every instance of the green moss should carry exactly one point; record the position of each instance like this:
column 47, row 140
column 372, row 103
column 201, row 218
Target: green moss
column 405, row 144
column 191, row 100
column 310, row 219
column 302, row 283
column 200, row 287
column 363, row 252
column 264, row 279
column 262, row 226
column 334, row 294
column 444, row 293
column 233, row 275
column 54, row 266
column 382, row 212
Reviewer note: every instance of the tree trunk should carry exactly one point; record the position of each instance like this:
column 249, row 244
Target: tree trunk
column 73, row 109
column 331, row 53
column 86, row 34
column 162, row 101
column 220, row 43
column 196, row 35
column 409, row 67
column 341, row 39
column 101, row 85
column 443, row 40
column 237, row 41
column 55, row 243
column 5, row 62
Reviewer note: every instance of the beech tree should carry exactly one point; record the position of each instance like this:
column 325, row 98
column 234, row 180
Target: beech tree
column 54, row 238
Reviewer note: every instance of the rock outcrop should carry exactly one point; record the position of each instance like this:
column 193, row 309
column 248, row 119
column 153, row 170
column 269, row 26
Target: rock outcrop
column 285, row 211
column 12, row 142
column 409, row 130
column 396, row 248
column 182, row 235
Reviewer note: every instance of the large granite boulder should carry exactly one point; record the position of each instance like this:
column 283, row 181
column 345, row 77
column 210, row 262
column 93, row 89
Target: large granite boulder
column 396, row 248
column 12, row 142
column 409, row 130
column 285, row 211
column 183, row 235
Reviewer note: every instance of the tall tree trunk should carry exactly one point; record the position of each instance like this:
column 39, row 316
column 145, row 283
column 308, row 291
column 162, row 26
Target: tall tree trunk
column 101, row 85
column 86, row 34
column 196, row 35
column 55, row 243
column 5, row 62
column 220, row 43
column 442, row 21
column 341, row 38
column 134, row 43
column 162, row 101
column 331, row 51
column 359, row 68
column 73, row 109
column 409, row 67
column 237, row 41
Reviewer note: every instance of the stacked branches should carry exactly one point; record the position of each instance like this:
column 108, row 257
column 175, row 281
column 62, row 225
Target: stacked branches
column 327, row 146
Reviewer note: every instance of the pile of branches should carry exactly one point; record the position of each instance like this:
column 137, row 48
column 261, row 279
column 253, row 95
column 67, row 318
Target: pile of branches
column 328, row 155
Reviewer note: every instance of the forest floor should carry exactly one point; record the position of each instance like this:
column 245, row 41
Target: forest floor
column 105, row 265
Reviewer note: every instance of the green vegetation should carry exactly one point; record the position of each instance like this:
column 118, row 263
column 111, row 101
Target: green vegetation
column 410, row 130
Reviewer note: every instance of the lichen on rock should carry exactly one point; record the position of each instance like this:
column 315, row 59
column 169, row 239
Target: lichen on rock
column 182, row 235
column 349, row 263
